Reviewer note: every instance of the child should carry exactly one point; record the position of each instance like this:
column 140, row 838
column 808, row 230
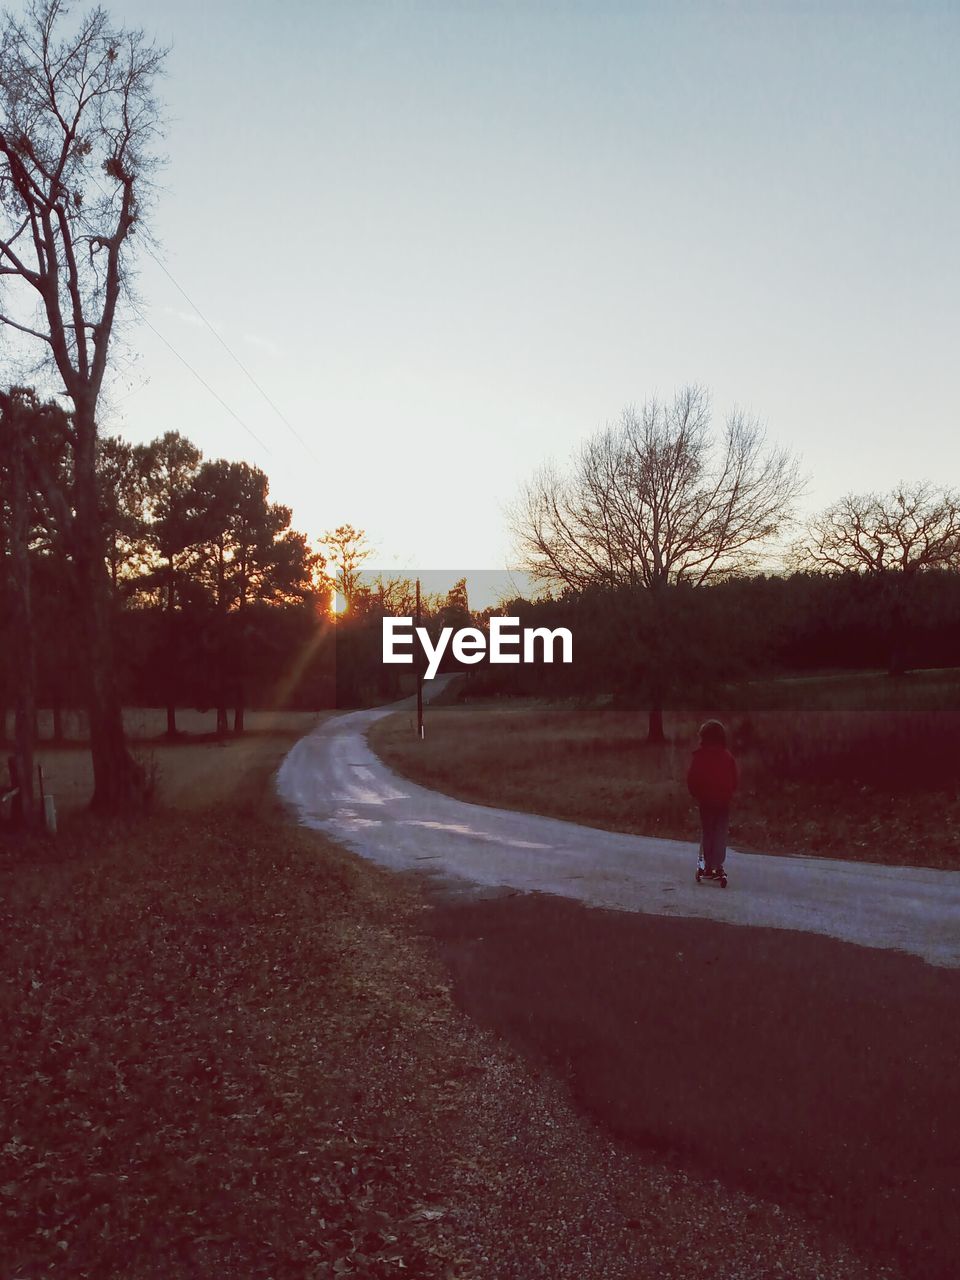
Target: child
column 712, row 779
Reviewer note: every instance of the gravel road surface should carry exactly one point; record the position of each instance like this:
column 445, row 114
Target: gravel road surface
column 338, row 785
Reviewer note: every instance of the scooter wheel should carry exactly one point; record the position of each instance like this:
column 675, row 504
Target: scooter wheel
column 699, row 875
column 723, row 882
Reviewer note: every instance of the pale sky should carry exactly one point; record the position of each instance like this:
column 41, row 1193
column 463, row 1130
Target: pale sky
column 451, row 240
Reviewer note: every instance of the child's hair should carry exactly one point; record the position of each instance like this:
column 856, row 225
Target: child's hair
column 713, row 734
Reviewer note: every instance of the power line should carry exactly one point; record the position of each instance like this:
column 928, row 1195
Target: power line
column 233, row 355
column 170, row 347
column 229, row 350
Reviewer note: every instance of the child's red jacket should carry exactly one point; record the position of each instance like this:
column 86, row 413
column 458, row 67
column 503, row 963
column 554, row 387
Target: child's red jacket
column 712, row 776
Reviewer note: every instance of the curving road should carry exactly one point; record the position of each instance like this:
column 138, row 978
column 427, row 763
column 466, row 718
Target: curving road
column 339, row 786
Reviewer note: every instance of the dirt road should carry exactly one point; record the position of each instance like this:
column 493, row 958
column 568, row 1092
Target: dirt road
column 336, row 784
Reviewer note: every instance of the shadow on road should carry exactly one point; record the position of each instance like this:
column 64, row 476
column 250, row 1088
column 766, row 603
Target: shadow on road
column 822, row 1074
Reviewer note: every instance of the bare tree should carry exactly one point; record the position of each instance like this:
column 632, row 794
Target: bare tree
column 655, row 500
column 78, row 124
column 892, row 537
column 914, row 527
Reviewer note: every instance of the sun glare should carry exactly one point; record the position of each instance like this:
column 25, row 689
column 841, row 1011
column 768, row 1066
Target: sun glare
column 338, row 602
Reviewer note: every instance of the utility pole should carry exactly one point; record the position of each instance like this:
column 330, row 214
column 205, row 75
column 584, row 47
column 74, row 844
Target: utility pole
column 419, row 676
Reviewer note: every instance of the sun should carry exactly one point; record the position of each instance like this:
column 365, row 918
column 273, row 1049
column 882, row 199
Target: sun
column 338, row 602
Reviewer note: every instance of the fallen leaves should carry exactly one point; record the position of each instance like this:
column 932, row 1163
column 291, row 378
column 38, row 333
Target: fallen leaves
column 229, row 1052
column 187, row 1021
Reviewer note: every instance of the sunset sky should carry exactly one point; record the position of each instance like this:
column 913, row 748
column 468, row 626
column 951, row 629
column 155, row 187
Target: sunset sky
column 451, row 240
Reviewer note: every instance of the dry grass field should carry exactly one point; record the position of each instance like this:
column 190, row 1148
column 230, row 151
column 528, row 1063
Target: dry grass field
column 195, row 770
column 853, row 766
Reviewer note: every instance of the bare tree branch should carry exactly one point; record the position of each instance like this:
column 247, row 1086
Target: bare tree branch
column 912, row 528
column 77, row 117
column 34, row 333
column 654, row 499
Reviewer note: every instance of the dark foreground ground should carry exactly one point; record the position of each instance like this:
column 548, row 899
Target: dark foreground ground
column 230, row 1049
column 822, row 1075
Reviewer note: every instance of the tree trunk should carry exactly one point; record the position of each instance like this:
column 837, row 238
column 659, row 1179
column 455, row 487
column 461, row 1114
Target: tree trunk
column 118, row 779
column 655, row 732
column 241, row 695
column 170, row 655
column 222, row 726
column 23, row 740
column 897, row 665
column 657, row 660
column 25, row 715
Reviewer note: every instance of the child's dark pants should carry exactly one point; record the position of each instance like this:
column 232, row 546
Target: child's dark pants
column 714, row 819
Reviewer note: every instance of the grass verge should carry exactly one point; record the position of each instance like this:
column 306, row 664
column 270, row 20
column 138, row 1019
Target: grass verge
column 192, row 772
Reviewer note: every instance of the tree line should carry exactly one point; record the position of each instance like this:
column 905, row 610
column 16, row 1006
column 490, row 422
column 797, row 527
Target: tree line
column 687, row 642
column 215, row 601
column 211, row 594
